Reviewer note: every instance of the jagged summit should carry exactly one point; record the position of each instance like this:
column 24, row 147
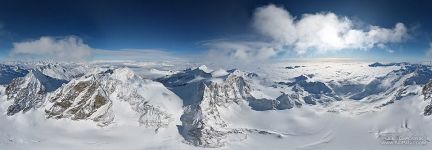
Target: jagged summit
column 96, row 96
column 427, row 93
column 202, row 74
column 204, row 95
column 29, row 91
column 83, row 98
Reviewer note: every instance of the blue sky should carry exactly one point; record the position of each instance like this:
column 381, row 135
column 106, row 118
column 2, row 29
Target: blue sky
column 186, row 26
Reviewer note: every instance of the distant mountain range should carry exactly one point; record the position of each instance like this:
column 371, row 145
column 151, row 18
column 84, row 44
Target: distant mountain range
column 194, row 100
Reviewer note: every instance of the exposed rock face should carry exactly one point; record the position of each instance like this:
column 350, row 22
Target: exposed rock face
column 206, row 94
column 152, row 116
column 312, row 87
column 263, row 104
column 93, row 96
column 286, row 101
column 81, row 99
column 26, row 92
column 310, row 92
column 202, row 124
column 29, row 91
column 427, row 93
column 157, row 106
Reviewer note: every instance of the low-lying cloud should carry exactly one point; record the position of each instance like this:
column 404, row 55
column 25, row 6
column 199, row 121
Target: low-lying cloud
column 319, row 32
column 73, row 48
column 242, row 51
column 60, row 48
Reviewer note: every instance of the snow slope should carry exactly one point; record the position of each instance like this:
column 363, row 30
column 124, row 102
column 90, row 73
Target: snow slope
column 318, row 105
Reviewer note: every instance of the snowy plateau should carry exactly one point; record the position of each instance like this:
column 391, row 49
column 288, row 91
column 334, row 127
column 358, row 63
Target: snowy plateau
column 329, row 105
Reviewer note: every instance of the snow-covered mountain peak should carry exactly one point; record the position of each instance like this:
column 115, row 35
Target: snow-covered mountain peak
column 62, row 71
column 124, row 74
column 101, row 97
column 214, row 108
column 29, row 91
column 205, row 96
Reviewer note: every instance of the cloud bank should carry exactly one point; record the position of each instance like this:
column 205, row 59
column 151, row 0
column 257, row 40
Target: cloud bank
column 319, row 32
column 61, row 48
column 73, row 48
column 241, row 50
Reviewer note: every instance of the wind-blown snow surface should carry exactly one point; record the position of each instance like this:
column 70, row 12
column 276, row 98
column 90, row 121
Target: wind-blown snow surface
column 345, row 114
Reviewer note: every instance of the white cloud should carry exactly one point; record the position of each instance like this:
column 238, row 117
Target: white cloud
column 240, row 51
column 72, row 48
column 276, row 23
column 321, row 31
column 280, row 32
column 65, row 48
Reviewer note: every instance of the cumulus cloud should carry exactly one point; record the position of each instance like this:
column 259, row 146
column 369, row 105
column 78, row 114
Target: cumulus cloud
column 281, row 32
column 61, row 48
column 324, row 31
